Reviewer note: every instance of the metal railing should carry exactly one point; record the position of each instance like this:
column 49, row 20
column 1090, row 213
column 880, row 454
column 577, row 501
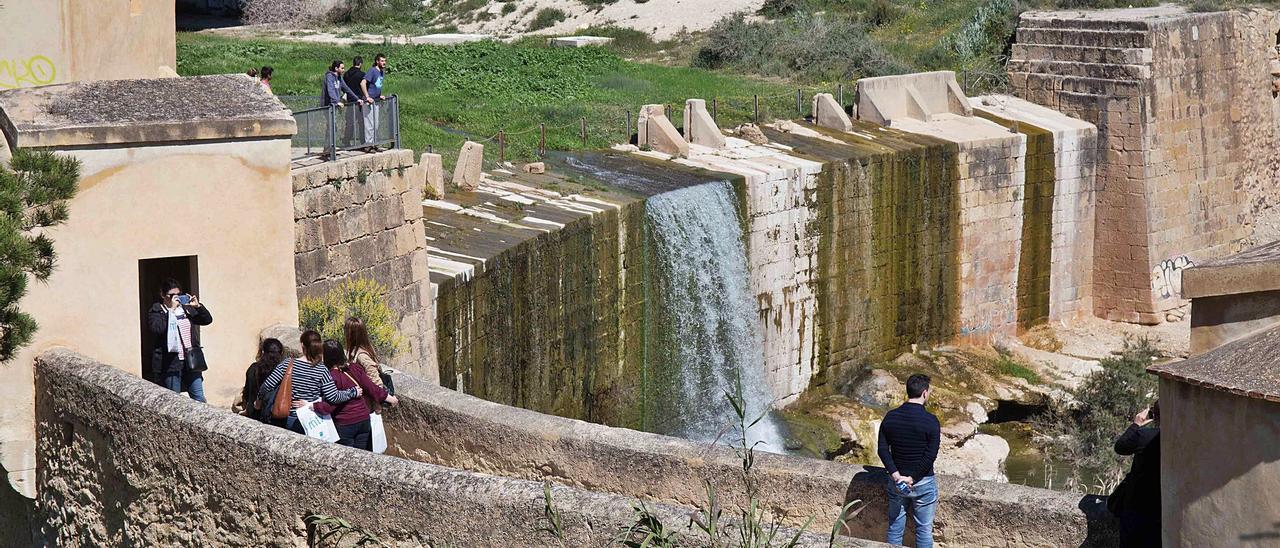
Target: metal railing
column 323, row 132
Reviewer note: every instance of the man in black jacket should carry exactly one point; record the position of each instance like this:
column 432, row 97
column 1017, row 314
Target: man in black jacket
column 908, row 445
column 353, row 130
column 1136, row 501
column 177, row 361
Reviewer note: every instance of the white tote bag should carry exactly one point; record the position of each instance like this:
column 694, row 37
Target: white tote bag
column 379, row 435
column 320, row 427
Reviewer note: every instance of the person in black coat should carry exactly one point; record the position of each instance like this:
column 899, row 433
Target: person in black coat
column 1136, row 501
column 177, row 361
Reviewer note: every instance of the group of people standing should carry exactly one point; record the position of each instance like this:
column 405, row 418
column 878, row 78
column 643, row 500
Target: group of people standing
column 362, row 91
column 341, row 380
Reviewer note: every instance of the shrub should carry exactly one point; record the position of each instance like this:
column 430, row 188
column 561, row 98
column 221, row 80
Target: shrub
column 813, row 47
column 1105, row 405
column 546, row 18
column 361, row 298
column 780, row 8
column 882, row 12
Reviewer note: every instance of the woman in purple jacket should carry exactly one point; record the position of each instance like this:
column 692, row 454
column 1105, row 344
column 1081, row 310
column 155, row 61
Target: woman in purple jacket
column 351, row 417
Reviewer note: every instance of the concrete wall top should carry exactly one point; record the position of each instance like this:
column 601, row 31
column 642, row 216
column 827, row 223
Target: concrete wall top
column 175, row 110
column 1252, row 270
column 1013, row 108
column 124, row 462
column 1107, row 19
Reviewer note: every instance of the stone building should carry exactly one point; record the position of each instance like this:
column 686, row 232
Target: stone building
column 192, row 183
column 1187, row 115
column 58, row 41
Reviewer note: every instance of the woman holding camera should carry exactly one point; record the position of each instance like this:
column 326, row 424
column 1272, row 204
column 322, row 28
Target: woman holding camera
column 1136, row 501
column 177, row 361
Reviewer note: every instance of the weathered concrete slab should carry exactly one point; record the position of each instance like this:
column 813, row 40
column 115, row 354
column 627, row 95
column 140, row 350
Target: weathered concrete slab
column 578, row 41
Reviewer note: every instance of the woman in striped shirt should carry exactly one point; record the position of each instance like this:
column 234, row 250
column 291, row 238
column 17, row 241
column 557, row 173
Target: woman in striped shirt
column 311, row 381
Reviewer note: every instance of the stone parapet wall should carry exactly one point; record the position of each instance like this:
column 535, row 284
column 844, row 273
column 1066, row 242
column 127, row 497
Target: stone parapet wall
column 438, row 425
column 1186, row 119
column 361, row 217
column 123, row 462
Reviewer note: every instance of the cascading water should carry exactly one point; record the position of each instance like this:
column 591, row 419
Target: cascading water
column 701, row 322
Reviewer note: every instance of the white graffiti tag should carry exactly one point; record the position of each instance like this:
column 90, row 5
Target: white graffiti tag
column 1166, row 277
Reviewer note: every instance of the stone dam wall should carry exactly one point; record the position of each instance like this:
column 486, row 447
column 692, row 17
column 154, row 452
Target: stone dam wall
column 360, row 217
column 859, row 245
column 441, row 426
column 1187, row 113
column 122, row 462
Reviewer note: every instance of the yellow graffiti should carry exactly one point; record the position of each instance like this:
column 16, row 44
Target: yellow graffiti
column 36, row 70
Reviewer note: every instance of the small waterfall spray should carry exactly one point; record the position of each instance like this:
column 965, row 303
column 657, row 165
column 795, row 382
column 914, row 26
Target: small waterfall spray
column 701, row 319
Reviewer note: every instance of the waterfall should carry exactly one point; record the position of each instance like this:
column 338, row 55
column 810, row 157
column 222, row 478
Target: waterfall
column 701, row 319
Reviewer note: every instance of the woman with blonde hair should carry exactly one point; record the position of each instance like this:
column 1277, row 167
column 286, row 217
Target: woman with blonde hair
column 360, row 350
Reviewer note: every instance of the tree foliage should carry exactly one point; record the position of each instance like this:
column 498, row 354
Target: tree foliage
column 360, row 298
column 34, row 190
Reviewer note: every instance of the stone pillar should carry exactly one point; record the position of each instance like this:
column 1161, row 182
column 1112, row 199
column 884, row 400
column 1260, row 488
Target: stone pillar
column 466, row 174
column 434, row 166
column 829, row 114
column 657, row 133
column 699, row 127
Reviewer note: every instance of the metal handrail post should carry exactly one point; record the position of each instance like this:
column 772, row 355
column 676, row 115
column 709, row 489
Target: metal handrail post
column 395, row 120
column 331, row 134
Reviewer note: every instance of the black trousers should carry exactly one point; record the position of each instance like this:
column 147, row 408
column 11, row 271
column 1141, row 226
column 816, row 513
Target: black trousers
column 358, row 435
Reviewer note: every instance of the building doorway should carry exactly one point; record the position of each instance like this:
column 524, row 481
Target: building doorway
column 151, row 272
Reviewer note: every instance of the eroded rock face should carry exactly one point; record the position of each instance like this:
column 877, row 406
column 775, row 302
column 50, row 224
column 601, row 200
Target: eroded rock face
column 880, row 389
column 751, row 133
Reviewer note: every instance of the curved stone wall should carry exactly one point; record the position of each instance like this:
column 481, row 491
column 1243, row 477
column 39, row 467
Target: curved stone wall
column 441, row 426
column 122, row 462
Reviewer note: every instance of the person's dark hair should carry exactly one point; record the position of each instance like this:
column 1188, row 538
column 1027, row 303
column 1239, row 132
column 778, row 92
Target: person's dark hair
column 1155, row 411
column 167, row 285
column 379, row 56
column 917, row 384
column 253, row 73
column 357, row 61
column 357, row 338
column 312, row 348
column 333, row 67
column 270, row 353
column 333, row 355
column 265, row 73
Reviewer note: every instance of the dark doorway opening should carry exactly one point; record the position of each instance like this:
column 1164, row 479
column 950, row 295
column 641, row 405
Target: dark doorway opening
column 150, row 273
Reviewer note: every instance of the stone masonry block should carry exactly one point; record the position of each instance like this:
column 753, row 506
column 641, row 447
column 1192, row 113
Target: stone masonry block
column 829, row 114
column 410, row 207
column 306, row 235
column 657, row 133
column 330, row 231
column 353, row 223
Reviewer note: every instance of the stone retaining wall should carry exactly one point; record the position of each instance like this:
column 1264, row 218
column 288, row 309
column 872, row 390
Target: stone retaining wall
column 361, row 217
column 438, row 425
column 123, row 462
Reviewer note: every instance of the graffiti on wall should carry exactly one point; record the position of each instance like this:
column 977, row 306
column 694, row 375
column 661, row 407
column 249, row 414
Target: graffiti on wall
column 36, row 70
column 1166, row 277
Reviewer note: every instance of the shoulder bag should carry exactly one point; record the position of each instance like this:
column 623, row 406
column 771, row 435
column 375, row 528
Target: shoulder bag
column 284, row 394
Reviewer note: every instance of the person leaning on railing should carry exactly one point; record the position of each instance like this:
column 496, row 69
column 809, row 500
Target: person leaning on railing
column 334, row 87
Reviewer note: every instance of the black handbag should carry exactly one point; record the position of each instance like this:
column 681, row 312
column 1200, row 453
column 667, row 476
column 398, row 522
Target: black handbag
column 386, row 382
column 195, row 360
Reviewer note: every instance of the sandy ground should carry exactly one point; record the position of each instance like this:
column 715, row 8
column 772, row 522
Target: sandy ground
column 661, row 18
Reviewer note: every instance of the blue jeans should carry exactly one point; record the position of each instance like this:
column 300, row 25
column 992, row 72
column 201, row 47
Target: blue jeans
column 922, row 502
column 191, row 382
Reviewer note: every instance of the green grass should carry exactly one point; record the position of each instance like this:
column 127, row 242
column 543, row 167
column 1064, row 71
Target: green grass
column 1009, row 367
column 471, row 91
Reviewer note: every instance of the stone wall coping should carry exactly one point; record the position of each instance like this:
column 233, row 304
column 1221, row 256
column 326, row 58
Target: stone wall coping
column 150, row 111
column 1014, row 108
column 1250, row 271
column 421, row 501
column 1147, row 14
column 665, row 468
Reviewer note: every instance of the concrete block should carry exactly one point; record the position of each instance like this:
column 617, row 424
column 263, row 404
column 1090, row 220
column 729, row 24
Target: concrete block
column 657, row 132
column 699, row 127
column 829, row 114
column 535, row 168
column 578, row 41
column 466, row 173
column 434, row 166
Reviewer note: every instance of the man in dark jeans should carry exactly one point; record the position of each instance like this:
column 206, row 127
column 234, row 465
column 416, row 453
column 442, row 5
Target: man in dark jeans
column 908, row 446
column 353, row 131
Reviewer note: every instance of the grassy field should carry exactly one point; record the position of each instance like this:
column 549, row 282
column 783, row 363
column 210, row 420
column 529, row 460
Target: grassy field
column 471, row 91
